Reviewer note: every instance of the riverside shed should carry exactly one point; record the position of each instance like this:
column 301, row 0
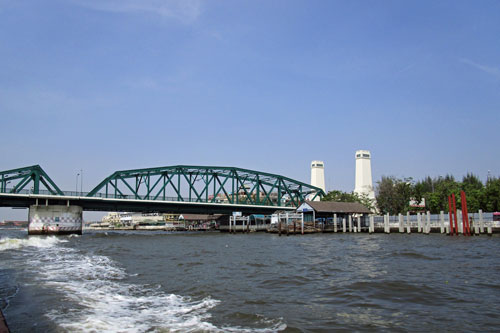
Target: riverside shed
column 325, row 210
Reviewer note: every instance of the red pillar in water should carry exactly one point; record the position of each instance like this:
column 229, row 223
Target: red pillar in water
column 450, row 214
column 465, row 214
column 455, row 212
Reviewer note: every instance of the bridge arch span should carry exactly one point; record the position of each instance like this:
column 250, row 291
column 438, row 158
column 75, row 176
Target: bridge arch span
column 209, row 184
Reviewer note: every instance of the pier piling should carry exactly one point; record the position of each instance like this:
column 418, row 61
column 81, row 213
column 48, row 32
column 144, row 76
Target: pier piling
column 428, row 223
column 460, row 225
column 481, row 221
column 450, row 216
column 419, row 222
column 387, row 227
column 441, row 222
column 408, row 225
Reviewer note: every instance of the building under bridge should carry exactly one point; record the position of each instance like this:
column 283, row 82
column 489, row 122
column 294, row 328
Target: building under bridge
column 326, row 211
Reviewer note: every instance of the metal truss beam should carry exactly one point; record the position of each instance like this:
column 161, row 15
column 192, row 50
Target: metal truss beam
column 17, row 180
column 206, row 184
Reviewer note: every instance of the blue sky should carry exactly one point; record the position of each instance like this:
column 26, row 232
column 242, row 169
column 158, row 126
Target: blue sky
column 105, row 85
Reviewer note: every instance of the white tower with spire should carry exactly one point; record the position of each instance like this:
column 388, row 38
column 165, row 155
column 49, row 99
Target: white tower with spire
column 363, row 180
column 318, row 176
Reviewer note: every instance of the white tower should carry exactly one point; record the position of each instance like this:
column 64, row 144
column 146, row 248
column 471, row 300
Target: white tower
column 363, row 181
column 318, row 175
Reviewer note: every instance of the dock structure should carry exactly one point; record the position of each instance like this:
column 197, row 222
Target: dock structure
column 349, row 217
column 331, row 216
column 349, row 222
column 426, row 223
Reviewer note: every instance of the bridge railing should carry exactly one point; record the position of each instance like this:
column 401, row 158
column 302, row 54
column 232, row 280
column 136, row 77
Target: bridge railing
column 133, row 197
column 44, row 192
column 241, row 200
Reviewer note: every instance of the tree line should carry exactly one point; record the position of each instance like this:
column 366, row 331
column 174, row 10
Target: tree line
column 395, row 195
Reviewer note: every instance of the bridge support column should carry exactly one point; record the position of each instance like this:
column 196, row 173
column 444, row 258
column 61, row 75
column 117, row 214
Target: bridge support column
column 55, row 220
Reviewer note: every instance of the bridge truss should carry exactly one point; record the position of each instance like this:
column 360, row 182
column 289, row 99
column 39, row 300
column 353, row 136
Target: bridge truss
column 208, row 184
column 27, row 180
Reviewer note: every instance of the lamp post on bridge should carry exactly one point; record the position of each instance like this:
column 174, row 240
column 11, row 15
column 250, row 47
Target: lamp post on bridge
column 76, row 187
column 5, row 186
column 81, row 181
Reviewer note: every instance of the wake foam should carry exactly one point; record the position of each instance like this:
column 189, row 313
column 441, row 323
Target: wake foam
column 107, row 304
column 32, row 241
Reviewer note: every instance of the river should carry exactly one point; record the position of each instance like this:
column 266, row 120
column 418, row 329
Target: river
column 212, row 282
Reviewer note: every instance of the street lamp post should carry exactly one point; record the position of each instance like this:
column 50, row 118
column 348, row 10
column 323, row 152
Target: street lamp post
column 81, row 181
column 76, row 187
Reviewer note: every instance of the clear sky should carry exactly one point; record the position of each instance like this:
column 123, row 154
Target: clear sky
column 105, row 85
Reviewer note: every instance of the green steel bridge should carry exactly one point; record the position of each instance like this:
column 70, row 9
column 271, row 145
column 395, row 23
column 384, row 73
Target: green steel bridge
column 179, row 188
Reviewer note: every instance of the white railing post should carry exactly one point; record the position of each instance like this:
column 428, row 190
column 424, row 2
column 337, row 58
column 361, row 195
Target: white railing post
column 481, row 221
column 459, row 221
column 428, row 224
column 441, row 221
column 408, row 224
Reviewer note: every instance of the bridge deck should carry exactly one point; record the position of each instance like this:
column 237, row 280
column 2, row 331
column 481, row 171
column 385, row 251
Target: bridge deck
column 132, row 205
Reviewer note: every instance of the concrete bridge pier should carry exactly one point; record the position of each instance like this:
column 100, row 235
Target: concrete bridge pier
column 55, row 220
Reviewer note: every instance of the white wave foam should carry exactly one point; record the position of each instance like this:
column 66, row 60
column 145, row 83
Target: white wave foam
column 109, row 304
column 32, row 241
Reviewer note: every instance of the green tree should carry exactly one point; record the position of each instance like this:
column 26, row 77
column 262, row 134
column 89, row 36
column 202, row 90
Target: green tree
column 443, row 188
column 394, row 195
column 434, row 202
column 339, row 196
column 492, row 195
column 471, row 182
column 474, row 191
column 423, row 187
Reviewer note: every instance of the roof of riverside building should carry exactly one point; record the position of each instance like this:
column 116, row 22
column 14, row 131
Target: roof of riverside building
column 338, row 207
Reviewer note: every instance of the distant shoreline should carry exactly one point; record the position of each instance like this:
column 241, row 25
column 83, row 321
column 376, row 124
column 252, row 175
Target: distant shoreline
column 19, row 224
